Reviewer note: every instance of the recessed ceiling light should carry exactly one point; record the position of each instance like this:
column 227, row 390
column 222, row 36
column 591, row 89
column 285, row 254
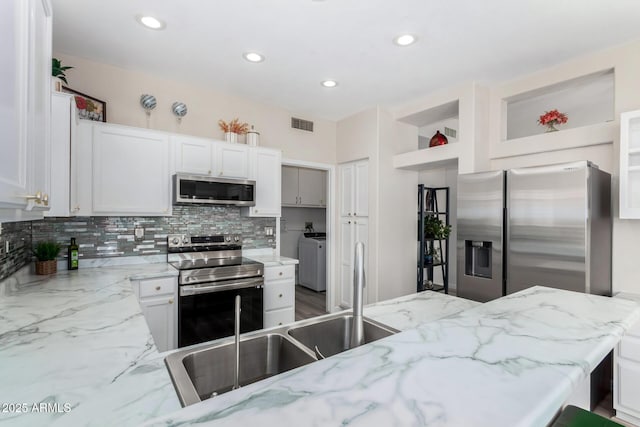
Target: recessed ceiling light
column 253, row 57
column 329, row 83
column 405, row 40
column 150, row 22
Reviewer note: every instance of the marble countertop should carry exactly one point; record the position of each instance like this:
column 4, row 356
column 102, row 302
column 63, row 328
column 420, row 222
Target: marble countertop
column 79, row 338
column 509, row 362
column 273, row 260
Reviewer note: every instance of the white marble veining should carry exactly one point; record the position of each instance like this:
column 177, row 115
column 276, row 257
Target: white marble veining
column 510, row 362
column 79, row 337
column 273, row 260
column 412, row 310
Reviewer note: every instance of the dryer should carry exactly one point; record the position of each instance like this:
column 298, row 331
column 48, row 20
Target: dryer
column 312, row 254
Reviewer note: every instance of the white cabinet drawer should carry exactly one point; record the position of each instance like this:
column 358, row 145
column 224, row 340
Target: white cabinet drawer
column 279, row 317
column 157, row 287
column 279, row 272
column 629, row 386
column 279, row 294
column 630, row 348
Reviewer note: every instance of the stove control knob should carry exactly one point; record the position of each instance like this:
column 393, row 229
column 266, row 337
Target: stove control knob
column 176, row 240
column 236, row 239
column 185, row 240
column 228, row 239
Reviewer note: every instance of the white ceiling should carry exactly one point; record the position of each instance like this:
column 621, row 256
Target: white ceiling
column 307, row 41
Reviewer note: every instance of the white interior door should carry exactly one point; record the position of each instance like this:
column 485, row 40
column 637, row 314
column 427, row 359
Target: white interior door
column 346, row 173
column 346, row 261
column 361, row 189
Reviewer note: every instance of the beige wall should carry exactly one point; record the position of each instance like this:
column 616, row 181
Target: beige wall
column 121, row 89
column 375, row 135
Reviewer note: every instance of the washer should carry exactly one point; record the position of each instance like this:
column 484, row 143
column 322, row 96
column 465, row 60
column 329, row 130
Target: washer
column 312, row 254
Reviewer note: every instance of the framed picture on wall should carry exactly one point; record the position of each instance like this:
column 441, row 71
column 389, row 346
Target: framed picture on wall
column 89, row 108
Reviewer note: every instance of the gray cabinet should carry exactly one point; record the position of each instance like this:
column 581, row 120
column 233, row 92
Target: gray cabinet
column 303, row 187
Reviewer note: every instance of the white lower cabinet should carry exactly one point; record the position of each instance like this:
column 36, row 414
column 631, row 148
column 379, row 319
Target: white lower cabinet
column 279, row 295
column 159, row 304
column 626, row 377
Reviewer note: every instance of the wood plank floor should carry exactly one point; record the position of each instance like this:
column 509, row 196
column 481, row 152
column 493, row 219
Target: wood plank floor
column 309, row 303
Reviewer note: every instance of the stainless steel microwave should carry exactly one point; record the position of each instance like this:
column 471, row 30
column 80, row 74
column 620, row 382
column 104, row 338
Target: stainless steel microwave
column 189, row 189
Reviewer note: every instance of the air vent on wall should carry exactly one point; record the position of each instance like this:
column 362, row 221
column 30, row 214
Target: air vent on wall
column 301, row 124
column 450, row 132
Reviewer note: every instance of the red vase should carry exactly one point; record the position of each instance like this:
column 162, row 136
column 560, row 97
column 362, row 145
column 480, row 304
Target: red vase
column 438, row 139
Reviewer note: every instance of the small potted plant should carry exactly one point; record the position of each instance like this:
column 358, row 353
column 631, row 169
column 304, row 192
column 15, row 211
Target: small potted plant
column 551, row 119
column 233, row 129
column 58, row 74
column 46, row 254
column 435, row 229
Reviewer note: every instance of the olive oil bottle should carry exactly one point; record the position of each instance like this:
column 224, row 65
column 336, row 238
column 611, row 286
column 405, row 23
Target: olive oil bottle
column 72, row 259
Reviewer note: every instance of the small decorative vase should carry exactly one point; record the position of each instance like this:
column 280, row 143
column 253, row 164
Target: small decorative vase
column 551, row 127
column 46, row 267
column 231, row 137
column 56, row 84
column 438, row 139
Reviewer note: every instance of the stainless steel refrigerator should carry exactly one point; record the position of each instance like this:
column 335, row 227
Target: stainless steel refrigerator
column 548, row 225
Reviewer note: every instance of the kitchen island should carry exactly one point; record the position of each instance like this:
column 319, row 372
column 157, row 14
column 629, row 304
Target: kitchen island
column 79, row 338
column 509, row 362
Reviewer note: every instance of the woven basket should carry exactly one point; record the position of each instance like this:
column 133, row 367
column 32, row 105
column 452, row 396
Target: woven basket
column 46, row 267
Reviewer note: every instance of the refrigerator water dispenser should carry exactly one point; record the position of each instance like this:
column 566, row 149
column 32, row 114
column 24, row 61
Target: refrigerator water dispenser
column 477, row 256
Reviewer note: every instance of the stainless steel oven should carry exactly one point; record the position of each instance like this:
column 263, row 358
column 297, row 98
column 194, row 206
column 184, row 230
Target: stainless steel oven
column 212, row 273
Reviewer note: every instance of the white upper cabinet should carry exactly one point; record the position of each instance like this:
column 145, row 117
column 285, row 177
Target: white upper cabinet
column 130, row 173
column 25, row 43
column 630, row 165
column 232, row 160
column 193, row 155
column 303, row 187
column 208, row 157
column 266, row 165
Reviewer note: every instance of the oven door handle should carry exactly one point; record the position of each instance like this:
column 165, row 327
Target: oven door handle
column 187, row 290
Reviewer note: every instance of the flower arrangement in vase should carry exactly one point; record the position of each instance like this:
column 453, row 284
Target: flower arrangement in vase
column 232, row 129
column 551, row 119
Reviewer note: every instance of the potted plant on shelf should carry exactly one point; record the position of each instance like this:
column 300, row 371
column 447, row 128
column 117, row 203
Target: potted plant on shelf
column 46, row 254
column 435, row 229
column 233, row 129
column 551, row 119
column 58, row 74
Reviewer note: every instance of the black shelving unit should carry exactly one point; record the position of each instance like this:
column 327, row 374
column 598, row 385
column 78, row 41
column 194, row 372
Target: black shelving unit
column 428, row 205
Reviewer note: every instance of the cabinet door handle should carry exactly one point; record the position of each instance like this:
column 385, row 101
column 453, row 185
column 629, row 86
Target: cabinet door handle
column 280, row 296
column 209, row 172
column 280, row 323
column 45, row 199
column 36, row 197
column 158, row 288
column 348, row 213
column 171, row 301
column 348, row 222
column 280, row 274
column 355, row 222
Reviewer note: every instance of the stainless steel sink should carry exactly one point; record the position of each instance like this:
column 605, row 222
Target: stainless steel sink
column 201, row 372
column 333, row 335
column 206, row 371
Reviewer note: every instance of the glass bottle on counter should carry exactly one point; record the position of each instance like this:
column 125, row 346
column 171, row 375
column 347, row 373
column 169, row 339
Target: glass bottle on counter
column 72, row 258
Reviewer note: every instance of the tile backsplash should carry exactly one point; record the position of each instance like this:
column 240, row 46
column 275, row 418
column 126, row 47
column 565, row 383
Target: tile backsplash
column 100, row 237
column 18, row 237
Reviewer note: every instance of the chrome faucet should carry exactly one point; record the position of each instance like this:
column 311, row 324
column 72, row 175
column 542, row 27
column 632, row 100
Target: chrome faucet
column 236, row 366
column 357, row 327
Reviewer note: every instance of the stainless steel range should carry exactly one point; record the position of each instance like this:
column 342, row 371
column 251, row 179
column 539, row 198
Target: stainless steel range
column 212, row 273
